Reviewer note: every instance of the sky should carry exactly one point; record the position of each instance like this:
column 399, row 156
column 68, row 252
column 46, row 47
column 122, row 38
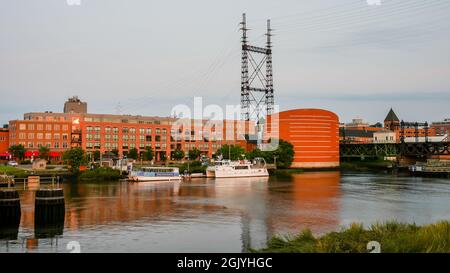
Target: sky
column 353, row 57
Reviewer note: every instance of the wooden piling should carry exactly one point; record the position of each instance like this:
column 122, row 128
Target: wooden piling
column 49, row 213
column 10, row 214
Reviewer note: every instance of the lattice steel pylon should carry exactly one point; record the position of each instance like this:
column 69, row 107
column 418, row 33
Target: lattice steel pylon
column 257, row 99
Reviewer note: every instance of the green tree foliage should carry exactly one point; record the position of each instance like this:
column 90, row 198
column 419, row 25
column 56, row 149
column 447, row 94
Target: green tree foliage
column 194, row 154
column 178, row 154
column 133, row 153
column 74, row 157
column 17, row 151
column 96, row 155
column 235, row 151
column 148, row 154
column 284, row 154
column 44, row 152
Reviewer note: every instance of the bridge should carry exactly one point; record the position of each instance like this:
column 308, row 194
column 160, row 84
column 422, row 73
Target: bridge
column 374, row 150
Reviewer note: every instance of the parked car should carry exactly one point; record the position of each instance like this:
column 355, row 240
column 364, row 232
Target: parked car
column 13, row 163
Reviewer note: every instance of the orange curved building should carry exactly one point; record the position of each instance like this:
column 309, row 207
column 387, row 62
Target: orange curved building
column 314, row 134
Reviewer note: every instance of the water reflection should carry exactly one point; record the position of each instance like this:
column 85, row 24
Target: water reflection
column 227, row 215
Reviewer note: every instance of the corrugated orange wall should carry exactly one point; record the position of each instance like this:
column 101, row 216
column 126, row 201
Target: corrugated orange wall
column 314, row 134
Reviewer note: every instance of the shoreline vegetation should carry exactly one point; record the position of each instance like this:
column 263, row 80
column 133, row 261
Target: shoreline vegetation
column 393, row 237
column 366, row 165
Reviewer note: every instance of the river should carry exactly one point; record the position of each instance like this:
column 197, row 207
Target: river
column 228, row 215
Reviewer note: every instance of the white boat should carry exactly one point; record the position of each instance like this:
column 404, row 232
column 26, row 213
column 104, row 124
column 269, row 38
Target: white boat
column 154, row 174
column 241, row 168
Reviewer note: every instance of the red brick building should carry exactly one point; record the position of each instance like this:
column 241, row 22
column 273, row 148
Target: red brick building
column 4, row 144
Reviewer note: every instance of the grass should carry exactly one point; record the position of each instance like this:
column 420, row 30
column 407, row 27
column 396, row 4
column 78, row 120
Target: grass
column 393, row 237
column 100, row 174
column 16, row 172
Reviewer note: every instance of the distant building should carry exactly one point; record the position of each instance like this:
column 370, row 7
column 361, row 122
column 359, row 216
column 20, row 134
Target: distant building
column 4, row 144
column 442, row 127
column 75, row 106
column 39, row 164
column 360, row 124
column 384, row 136
column 355, row 135
column 391, row 122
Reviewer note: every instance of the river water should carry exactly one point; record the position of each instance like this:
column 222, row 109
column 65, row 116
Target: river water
column 228, row 215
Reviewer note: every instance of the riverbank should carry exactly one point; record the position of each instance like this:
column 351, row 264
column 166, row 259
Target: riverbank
column 393, row 238
column 24, row 173
column 367, row 165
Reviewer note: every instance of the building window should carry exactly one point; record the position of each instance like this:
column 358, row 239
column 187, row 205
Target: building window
column 22, row 135
column 48, row 127
column 30, row 135
column 31, row 127
column 124, row 130
column 65, row 136
column 56, row 127
column 64, row 145
column 132, row 130
column 56, row 136
column 56, row 145
column 30, row 144
column 158, row 131
column 149, row 131
column 65, row 127
column 22, row 126
column 164, row 131
column 40, row 127
column 141, row 131
column 157, row 138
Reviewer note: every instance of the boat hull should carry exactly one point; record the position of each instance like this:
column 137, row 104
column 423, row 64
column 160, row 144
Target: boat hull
column 234, row 174
column 154, row 178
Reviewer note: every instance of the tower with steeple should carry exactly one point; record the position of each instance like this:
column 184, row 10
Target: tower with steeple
column 391, row 122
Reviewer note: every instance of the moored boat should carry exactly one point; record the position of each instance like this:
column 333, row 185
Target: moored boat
column 241, row 168
column 154, row 174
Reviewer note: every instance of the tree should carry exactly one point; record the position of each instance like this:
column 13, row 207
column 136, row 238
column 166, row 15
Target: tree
column 284, row 154
column 115, row 152
column 44, row 152
column 133, row 153
column 163, row 157
column 74, row 157
column 148, row 154
column 96, row 155
column 178, row 154
column 18, row 151
column 235, row 151
column 194, row 153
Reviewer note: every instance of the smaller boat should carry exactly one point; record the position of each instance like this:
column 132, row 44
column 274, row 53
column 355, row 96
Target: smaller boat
column 241, row 168
column 154, row 174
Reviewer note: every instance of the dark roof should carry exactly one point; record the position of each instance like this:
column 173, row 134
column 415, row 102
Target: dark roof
column 391, row 116
column 355, row 133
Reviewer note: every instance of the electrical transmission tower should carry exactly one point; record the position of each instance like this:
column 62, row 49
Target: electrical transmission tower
column 256, row 84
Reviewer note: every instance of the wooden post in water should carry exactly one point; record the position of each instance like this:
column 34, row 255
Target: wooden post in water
column 49, row 213
column 9, row 214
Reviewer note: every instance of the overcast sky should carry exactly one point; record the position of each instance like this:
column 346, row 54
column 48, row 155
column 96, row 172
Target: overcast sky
column 144, row 57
